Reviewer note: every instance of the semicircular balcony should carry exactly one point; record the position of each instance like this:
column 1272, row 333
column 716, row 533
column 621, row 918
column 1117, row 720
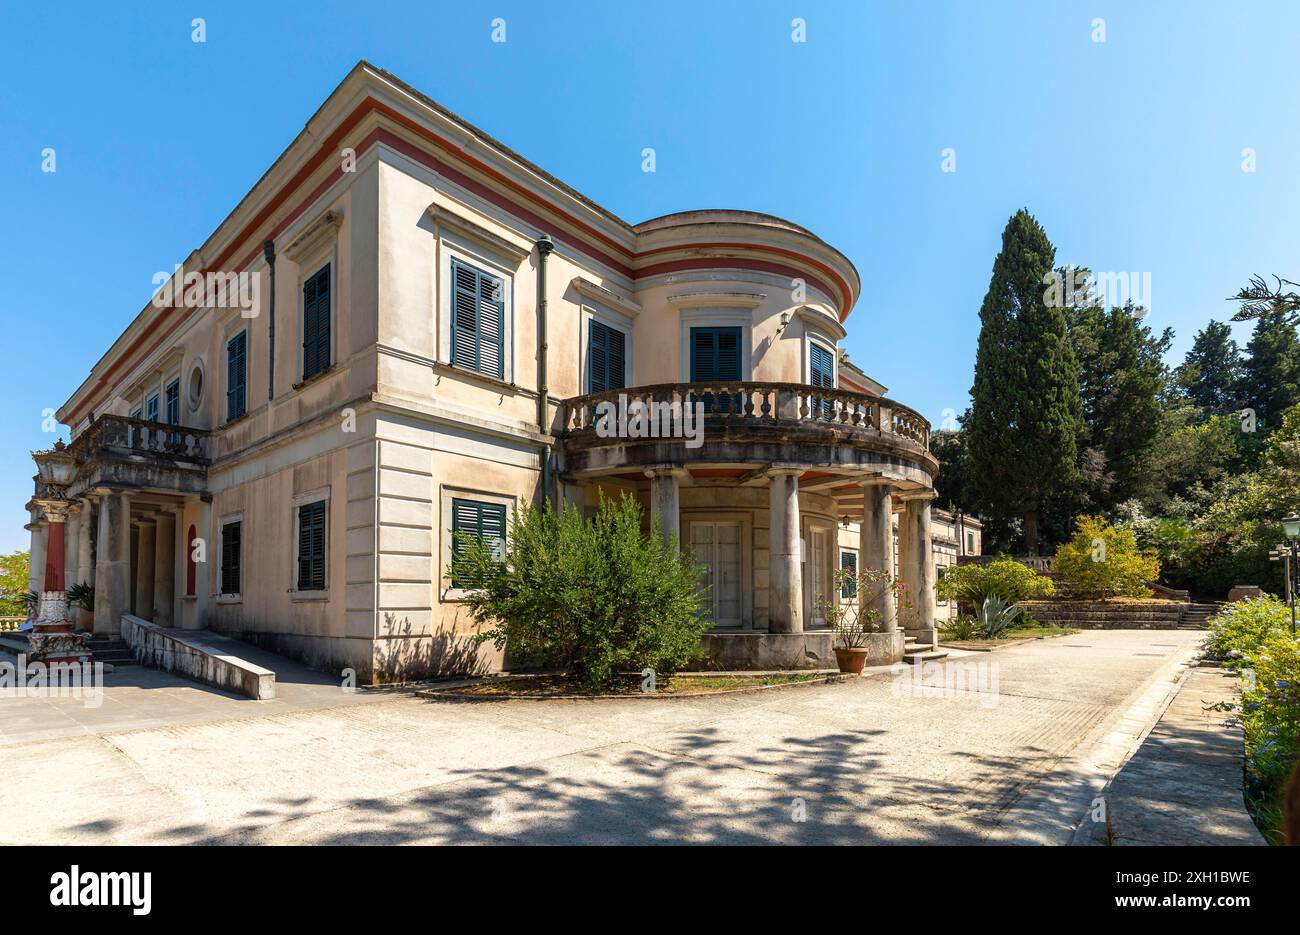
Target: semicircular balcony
column 742, row 429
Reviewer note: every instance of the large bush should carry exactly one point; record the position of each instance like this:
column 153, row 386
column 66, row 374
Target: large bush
column 594, row 597
column 1254, row 637
column 1101, row 560
column 1004, row 577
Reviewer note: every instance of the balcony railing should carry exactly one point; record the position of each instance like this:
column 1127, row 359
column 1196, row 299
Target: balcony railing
column 757, row 403
column 122, row 436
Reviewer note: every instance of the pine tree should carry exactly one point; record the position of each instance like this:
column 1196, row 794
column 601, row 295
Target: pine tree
column 1211, row 371
column 1270, row 381
column 1026, row 413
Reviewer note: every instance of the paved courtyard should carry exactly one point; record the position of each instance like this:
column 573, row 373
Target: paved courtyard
column 875, row 760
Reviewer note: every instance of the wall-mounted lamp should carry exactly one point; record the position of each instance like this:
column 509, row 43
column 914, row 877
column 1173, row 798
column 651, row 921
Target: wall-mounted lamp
column 785, row 320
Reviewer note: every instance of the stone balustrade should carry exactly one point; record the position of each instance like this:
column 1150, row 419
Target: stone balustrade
column 762, row 403
column 123, row 435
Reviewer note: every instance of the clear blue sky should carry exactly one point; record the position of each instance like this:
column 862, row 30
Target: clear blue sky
column 1128, row 151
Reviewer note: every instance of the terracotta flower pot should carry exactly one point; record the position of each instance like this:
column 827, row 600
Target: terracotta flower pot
column 85, row 619
column 851, row 661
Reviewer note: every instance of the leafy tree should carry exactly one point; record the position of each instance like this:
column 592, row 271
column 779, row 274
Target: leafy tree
column 1003, row 577
column 1270, row 381
column 595, row 597
column 14, row 569
column 952, row 486
column 1211, row 372
column 1101, row 560
column 1026, row 412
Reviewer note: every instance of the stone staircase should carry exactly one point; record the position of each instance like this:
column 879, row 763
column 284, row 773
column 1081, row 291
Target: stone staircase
column 112, row 650
column 1197, row 616
column 916, row 653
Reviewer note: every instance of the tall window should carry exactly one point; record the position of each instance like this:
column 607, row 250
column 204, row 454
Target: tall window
column 715, row 356
column 821, row 372
column 231, row 553
column 151, row 408
column 478, row 313
column 316, row 323
column 172, row 402
column 236, row 376
column 191, row 568
column 311, row 546
column 474, row 518
column 606, row 361
column 849, row 565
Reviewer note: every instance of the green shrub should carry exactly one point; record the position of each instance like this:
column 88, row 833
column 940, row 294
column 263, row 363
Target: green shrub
column 1101, row 560
column 964, row 627
column 1005, row 577
column 594, row 597
column 1254, row 638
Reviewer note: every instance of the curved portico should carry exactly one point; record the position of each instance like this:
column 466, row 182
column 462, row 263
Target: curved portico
column 807, row 462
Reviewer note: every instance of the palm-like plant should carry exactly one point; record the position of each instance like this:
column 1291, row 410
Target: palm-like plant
column 851, row 621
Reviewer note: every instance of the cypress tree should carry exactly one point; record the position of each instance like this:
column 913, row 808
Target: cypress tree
column 1211, row 371
column 1026, row 412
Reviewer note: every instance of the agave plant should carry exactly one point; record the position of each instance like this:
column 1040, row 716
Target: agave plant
column 996, row 616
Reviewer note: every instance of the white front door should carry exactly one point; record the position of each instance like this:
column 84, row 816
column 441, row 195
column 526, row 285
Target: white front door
column 716, row 546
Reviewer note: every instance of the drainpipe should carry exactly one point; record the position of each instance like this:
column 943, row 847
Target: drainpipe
column 545, row 246
column 268, row 251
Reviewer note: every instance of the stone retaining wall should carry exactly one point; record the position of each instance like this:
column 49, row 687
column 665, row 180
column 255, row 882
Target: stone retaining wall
column 1107, row 615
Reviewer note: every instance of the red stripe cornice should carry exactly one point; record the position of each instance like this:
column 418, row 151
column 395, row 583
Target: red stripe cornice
column 590, row 240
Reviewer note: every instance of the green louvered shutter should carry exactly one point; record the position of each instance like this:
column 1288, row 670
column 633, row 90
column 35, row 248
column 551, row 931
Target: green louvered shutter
column 472, row 519
column 849, row 563
column 606, row 360
column 715, row 356
column 311, row 546
column 477, row 320
column 316, row 323
column 231, row 549
column 821, row 364
column 236, row 376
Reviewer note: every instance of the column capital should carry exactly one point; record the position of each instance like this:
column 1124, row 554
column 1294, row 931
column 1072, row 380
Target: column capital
column 916, row 496
column 785, row 470
column 666, row 470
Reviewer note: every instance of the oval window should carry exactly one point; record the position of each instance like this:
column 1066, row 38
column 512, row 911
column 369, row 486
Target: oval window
column 194, row 389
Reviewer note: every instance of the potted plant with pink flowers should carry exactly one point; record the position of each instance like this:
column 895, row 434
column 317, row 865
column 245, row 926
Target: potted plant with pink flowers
column 855, row 616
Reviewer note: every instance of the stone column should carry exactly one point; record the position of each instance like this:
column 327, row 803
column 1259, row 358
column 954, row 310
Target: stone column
column 144, row 569
column 876, row 549
column 918, row 560
column 85, row 562
column 164, row 569
column 54, row 599
column 785, row 583
column 203, row 573
column 72, row 548
column 665, row 501
column 36, row 556
column 113, row 563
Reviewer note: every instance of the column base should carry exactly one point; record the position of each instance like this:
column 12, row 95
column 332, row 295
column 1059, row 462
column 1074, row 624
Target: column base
column 924, row 635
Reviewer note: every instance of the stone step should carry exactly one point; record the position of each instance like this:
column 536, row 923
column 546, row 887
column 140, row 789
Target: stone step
column 917, row 658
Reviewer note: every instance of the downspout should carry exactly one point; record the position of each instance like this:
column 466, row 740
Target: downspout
column 545, row 246
column 268, row 251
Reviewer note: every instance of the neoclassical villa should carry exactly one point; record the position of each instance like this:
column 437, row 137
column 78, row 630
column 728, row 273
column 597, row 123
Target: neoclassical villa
column 411, row 331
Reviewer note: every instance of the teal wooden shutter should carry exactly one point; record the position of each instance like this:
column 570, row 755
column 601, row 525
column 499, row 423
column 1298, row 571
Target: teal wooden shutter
column 606, row 363
column 172, row 403
column 151, row 408
column 471, row 519
column 821, row 366
column 715, row 356
column 230, row 557
column 316, row 323
column 849, row 563
column 236, row 375
column 311, row 546
column 478, row 311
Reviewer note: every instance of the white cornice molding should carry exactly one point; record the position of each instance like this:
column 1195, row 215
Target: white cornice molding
column 717, row 299
column 598, row 293
column 475, row 230
column 315, row 234
column 821, row 319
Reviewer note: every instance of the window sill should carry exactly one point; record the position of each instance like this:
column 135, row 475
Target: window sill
column 230, row 599
column 477, row 377
column 318, row 375
column 457, row 595
column 235, row 421
column 306, row 596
